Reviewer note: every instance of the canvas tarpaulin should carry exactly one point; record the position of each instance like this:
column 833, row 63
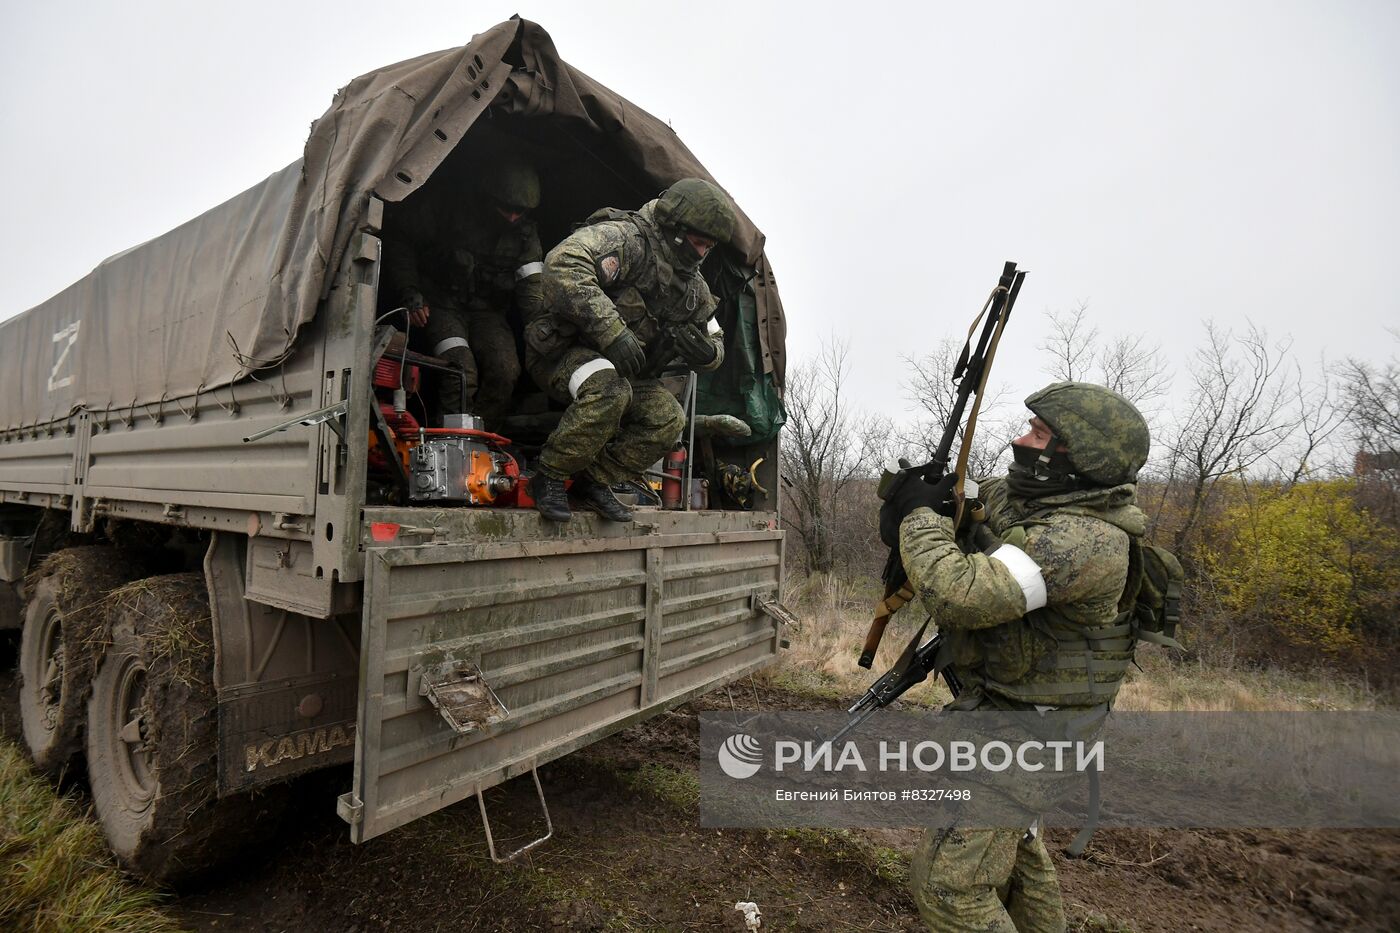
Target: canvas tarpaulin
column 741, row 387
column 226, row 294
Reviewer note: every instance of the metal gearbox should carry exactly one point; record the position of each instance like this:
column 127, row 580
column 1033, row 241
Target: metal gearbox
column 458, row 466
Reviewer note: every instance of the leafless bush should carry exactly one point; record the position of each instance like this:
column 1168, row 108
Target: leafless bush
column 1238, row 414
column 1372, row 395
column 827, row 447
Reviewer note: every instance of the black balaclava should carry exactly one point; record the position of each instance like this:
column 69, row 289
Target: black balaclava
column 1038, row 472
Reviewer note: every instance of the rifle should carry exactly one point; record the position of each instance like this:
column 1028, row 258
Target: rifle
column 912, row 669
column 970, row 374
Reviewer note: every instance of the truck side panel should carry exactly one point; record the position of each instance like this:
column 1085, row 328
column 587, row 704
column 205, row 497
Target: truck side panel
column 165, row 455
column 578, row 637
column 36, row 463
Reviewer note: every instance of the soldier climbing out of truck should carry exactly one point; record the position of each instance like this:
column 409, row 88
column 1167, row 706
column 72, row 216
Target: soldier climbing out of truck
column 624, row 298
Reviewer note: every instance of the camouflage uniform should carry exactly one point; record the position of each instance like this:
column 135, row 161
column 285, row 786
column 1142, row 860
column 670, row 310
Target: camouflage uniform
column 992, row 880
column 620, row 272
column 472, row 267
column 1021, row 643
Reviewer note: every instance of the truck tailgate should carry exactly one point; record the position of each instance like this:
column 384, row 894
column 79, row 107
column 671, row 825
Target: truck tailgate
column 537, row 640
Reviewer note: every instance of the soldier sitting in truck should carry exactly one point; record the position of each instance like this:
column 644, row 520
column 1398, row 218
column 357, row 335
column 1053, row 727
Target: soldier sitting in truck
column 460, row 270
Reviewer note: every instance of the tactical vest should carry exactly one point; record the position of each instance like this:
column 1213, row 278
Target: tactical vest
column 656, row 291
column 1050, row 660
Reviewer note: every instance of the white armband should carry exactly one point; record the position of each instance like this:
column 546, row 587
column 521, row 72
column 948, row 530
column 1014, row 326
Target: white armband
column 529, row 269
column 451, row 343
column 581, row 375
column 1025, row 571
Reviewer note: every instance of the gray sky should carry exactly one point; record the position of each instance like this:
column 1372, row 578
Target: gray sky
column 1166, row 163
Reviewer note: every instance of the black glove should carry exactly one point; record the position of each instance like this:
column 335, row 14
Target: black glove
column 694, row 345
column 911, row 491
column 626, row 355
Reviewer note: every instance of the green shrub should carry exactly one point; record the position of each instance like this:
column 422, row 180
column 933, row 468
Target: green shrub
column 1304, row 570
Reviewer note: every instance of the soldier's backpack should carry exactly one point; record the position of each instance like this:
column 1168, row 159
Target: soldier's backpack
column 1153, row 594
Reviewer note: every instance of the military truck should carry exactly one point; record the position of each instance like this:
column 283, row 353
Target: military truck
column 222, row 555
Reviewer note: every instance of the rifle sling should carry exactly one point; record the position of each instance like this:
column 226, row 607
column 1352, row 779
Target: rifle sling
column 894, row 602
column 984, row 371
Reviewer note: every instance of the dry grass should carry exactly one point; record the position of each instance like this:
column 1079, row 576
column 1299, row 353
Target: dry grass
column 836, row 614
column 55, row 874
column 1194, row 685
column 822, row 656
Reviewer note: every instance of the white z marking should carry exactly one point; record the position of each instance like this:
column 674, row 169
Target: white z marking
column 69, row 334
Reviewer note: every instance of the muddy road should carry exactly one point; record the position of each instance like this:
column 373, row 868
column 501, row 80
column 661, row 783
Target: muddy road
column 628, row 854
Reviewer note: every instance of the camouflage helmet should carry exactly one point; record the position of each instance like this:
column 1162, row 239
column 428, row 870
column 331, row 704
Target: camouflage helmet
column 1105, row 435
column 695, row 204
column 511, row 183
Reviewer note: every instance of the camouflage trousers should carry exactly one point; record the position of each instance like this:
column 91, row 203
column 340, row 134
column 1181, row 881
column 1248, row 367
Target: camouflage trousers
column 986, row 881
column 483, row 344
column 613, row 429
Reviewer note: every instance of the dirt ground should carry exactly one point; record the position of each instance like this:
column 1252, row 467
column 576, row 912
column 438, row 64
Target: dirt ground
column 628, row 854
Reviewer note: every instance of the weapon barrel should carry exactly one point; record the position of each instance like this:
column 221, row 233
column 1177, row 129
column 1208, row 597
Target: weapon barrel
column 854, row 724
column 969, row 370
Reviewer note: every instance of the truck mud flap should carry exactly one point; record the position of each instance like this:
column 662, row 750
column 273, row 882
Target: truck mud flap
column 480, row 662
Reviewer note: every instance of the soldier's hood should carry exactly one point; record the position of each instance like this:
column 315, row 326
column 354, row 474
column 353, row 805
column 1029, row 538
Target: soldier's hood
column 1116, row 505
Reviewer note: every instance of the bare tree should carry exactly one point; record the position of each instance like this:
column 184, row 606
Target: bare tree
column 1373, row 394
column 1135, row 369
column 1373, row 408
column 1239, row 414
column 1072, row 344
column 1322, row 409
column 826, row 447
column 931, row 387
column 1128, row 364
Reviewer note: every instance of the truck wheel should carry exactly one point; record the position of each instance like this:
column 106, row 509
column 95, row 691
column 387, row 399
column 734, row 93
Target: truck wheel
column 63, row 622
column 152, row 738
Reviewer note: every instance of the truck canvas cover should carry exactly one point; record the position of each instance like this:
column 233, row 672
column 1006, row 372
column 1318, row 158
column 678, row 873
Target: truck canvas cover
column 227, row 293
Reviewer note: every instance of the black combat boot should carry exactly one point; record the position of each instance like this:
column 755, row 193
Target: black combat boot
column 600, row 498
column 550, row 499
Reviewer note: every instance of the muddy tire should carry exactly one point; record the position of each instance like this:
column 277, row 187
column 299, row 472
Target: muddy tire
column 63, row 634
column 152, row 738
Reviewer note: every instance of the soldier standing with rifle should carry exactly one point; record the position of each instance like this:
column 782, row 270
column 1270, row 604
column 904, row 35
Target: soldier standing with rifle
column 1034, row 580
column 624, row 297
column 1031, row 620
